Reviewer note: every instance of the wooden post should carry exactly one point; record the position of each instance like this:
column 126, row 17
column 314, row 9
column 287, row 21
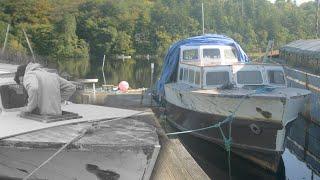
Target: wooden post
column 307, row 81
column 25, row 34
column 6, row 38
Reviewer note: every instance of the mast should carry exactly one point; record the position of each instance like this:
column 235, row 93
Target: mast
column 202, row 18
column 317, row 19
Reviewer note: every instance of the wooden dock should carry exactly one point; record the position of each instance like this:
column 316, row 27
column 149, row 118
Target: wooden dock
column 174, row 162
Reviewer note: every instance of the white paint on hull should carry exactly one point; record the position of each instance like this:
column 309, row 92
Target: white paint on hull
column 283, row 104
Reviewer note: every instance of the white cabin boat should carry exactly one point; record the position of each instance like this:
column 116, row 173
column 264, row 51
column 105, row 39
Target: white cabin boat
column 211, row 84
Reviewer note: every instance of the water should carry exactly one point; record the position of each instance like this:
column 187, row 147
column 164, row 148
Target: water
column 135, row 71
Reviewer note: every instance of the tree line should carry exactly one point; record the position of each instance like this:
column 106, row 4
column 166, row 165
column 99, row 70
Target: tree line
column 62, row 29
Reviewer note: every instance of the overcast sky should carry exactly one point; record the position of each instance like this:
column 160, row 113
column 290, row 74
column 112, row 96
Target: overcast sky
column 298, row 1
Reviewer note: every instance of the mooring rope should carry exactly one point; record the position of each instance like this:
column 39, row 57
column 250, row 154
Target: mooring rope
column 229, row 119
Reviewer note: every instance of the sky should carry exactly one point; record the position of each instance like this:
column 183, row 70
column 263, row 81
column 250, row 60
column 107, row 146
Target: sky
column 298, row 1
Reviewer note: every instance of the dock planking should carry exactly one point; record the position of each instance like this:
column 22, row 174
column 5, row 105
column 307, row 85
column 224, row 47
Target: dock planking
column 175, row 163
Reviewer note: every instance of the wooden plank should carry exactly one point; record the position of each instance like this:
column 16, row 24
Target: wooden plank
column 189, row 163
column 175, row 163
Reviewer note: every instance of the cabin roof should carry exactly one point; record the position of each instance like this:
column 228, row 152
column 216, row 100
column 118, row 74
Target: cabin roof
column 7, row 68
column 309, row 45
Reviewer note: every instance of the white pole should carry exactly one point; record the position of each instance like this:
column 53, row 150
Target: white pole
column 5, row 40
column 25, row 34
column 102, row 68
column 202, row 18
column 151, row 82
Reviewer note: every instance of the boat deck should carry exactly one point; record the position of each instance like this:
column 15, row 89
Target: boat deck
column 276, row 93
column 124, row 148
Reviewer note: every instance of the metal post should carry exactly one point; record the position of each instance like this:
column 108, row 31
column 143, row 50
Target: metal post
column 94, row 88
column 25, row 34
column 6, row 38
column 202, row 19
column 151, row 82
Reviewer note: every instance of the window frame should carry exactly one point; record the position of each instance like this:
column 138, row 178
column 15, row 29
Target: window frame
column 189, row 67
column 275, row 68
column 236, row 75
column 185, row 48
column 225, row 68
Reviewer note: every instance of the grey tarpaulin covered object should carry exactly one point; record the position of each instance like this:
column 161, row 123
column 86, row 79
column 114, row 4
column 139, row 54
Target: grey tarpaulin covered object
column 172, row 58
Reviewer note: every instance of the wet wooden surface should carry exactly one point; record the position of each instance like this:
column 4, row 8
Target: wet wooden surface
column 175, row 163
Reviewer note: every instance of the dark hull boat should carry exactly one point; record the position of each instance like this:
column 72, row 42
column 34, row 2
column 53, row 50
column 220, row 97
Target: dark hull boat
column 212, row 81
column 257, row 148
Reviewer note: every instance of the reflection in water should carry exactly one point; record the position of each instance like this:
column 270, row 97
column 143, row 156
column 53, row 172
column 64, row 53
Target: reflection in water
column 136, row 72
column 213, row 159
column 296, row 169
column 77, row 68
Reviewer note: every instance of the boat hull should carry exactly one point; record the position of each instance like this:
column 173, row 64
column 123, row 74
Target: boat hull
column 258, row 146
column 122, row 149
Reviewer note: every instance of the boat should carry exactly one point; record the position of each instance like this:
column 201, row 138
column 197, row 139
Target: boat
column 208, row 83
column 85, row 142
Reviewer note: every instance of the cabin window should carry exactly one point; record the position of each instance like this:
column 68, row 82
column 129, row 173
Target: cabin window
column 190, row 54
column 230, row 53
column 191, row 76
column 13, row 96
column 197, row 78
column 276, row 77
column 185, row 74
column 211, row 53
column 181, row 74
column 249, row 77
column 217, row 78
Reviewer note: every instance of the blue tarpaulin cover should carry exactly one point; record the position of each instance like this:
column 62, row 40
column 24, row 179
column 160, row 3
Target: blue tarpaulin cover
column 172, row 58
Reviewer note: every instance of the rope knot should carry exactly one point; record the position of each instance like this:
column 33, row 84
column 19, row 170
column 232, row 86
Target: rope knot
column 228, row 143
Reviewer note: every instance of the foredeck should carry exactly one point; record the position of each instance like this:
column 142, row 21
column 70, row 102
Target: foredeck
column 122, row 133
column 241, row 92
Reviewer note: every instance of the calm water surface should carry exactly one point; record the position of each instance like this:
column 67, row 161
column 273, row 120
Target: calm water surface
column 135, row 71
